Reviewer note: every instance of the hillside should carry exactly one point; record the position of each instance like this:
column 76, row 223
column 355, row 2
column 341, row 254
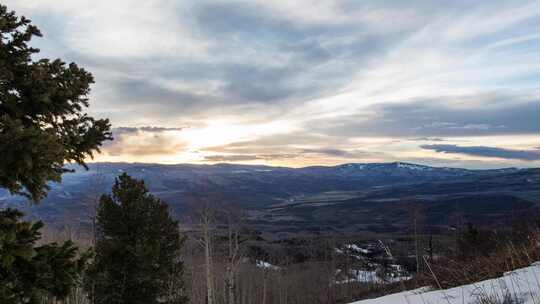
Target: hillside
column 349, row 198
column 518, row 286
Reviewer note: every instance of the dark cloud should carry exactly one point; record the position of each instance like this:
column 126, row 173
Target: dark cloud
column 230, row 158
column 146, row 92
column 243, row 88
column 277, row 156
column 254, row 153
column 258, row 83
column 254, row 24
column 337, row 152
column 280, row 142
column 286, row 58
column 247, row 157
column 427, row 139
column 282, row 63
column 527, row 155
column 149, row 129
column 441, row 117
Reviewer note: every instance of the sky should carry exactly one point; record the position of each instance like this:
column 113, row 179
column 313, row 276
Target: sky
column 299, row 83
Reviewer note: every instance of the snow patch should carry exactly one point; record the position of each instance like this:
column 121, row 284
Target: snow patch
column 369, row 276
column 522, row 284
column 265, row 265
column 413, row 167
column 357, row 248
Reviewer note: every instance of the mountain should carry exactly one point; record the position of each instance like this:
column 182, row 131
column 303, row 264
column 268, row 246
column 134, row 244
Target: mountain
column 349, row 198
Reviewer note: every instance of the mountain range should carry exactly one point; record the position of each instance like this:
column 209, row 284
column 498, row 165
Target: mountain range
column 370, row 198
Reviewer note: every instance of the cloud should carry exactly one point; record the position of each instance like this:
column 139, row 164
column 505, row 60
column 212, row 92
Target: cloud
column 346, row 154
column 203, row 57
column 247, row 157
column 247, row 151
column 483, row 151
column 465, row 115
column 144, row 141
column 230, row 158
column 427, row 139
column 155, row 98
column 150, row 129
column 339, row 73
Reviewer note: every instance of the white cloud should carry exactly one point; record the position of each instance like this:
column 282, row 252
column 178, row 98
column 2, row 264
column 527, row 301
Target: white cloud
column 122, row 28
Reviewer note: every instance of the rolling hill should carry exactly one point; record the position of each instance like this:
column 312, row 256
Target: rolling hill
column 348, row 198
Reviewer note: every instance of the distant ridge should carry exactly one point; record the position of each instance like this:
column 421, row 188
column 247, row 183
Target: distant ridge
column 348, row 197
column 398, row 164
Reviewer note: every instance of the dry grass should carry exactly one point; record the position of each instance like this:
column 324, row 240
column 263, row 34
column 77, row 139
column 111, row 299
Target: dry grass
column 448, row 272
column 507, row 298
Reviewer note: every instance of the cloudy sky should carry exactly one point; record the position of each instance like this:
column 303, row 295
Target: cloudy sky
column 448, row 83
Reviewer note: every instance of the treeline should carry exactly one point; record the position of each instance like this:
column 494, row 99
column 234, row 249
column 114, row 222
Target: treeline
column 244, row 268
column 477, row 253
column 222, row 262
column 226, row 263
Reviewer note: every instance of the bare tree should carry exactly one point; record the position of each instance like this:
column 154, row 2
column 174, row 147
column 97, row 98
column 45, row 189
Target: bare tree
column 416, row 217
column 206, row 217
column 97, row 188
column 234, row 219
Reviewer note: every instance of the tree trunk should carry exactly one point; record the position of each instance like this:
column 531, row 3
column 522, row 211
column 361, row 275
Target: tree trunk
column 416, row 244
column 264, row 288
column 208, row 259
column 230, row 285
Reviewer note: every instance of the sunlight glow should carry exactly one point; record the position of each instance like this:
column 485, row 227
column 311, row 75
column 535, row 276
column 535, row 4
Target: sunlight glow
column 221, row 132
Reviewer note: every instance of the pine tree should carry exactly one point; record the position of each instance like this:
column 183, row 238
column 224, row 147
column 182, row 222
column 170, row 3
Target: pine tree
column 137, row 249
column 42, row 125
column 30, row 273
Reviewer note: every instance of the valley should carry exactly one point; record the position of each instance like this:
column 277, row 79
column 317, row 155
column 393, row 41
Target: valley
column 350, row 199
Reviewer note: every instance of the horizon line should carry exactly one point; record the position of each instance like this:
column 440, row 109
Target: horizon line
column 303, row 167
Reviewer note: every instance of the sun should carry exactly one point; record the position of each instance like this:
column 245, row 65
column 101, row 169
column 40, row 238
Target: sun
column 222, row 132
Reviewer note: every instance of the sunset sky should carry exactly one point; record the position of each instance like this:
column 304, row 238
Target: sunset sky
column 297, row 83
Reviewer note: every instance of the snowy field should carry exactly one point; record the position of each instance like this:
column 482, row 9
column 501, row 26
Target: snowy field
column 519, row 286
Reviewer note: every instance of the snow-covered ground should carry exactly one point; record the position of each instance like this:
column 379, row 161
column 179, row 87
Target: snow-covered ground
column 266, row 265
column 368, row 276
column 521, row 286
column 357, row 248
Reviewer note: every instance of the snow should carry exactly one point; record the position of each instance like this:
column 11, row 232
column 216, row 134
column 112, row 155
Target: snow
column 413, row 167
column 522, row 285
column 356, row 248
column 369, row 276
column 361, row 276
column 265, row 265
column 243, row 171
